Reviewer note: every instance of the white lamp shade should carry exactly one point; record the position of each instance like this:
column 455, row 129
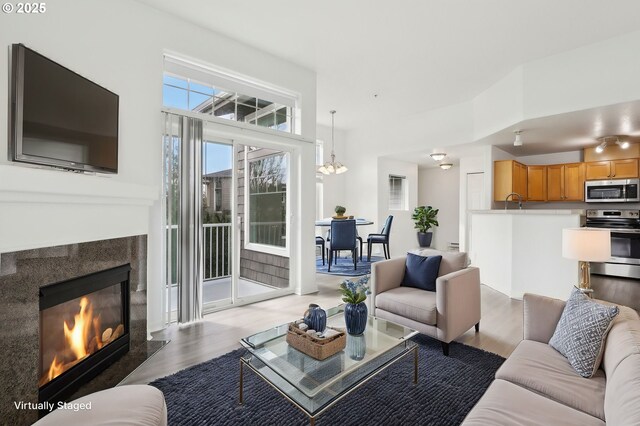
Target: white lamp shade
column 586, row 244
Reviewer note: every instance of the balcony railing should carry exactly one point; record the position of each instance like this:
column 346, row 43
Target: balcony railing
column 216, row 241
column 269, row 233
column 216, row 244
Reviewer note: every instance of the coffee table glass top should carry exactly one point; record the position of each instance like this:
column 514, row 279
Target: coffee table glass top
column 314, row 384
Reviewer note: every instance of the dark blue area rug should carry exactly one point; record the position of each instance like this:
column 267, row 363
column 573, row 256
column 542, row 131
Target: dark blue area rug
column 345, row 266
column 447, row 389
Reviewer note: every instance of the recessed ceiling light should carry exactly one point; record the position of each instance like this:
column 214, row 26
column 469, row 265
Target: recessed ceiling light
column 438, row 156
column 446, row 166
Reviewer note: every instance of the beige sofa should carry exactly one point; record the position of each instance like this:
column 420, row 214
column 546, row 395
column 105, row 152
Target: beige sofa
column 537, row 386
column 444, row 314
column 132, row 405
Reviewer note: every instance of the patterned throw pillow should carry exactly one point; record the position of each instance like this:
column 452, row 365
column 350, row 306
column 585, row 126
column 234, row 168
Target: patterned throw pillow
column 581, row 332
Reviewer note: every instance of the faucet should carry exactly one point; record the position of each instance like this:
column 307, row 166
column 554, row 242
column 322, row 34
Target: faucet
column 510, row 195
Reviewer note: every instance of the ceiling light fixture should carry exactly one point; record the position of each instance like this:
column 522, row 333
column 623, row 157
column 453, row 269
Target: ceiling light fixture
column 518, row 140
column 438, row 156
column 332, row 166
column 622, row 144
column 446, row 166
column 600, row 148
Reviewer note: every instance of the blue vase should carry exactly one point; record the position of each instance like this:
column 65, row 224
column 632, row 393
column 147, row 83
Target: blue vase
column 356, row 347
column 316, row 318
column 355, row 318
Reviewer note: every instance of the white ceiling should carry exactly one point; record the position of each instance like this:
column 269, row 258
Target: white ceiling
column 415, row 55
column 572, row 131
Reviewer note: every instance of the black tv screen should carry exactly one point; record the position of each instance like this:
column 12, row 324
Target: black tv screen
column 59, row 118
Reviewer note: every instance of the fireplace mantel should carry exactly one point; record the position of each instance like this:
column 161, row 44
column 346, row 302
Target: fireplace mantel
column 30, row 184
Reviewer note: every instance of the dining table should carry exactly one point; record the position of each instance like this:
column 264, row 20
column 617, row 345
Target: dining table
column 359, row 221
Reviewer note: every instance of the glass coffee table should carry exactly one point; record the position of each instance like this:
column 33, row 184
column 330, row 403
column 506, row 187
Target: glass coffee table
column 313, row 386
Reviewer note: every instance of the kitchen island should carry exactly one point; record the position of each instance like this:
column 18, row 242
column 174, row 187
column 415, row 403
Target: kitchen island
column 520, row 251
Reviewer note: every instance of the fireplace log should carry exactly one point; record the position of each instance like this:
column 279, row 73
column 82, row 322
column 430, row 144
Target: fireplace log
column 92, row 347
column 118, row 332
column 106, row 335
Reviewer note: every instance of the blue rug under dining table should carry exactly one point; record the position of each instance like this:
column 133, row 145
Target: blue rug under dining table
column 345, row 265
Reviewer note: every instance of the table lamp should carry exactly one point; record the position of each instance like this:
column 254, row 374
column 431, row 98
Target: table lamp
column 586, row 245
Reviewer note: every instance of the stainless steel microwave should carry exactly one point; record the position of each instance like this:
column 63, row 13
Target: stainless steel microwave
column 611, row 191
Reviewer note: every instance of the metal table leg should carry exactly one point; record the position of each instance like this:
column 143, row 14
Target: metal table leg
column 415, row 365
column 241, row 365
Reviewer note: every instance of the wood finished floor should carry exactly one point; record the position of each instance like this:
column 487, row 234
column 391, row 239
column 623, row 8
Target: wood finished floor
column 220, row 332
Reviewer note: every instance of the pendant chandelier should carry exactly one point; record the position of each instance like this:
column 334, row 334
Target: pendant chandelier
column 332, row 166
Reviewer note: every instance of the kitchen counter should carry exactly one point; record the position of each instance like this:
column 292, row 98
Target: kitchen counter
column 520, row 251
column 530, row 212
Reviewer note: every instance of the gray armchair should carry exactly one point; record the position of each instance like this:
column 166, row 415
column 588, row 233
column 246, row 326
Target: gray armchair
column 444, row 314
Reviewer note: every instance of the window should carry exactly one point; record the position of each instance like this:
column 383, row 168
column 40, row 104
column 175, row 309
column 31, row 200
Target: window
column 319, row 153
column 398, row 193
column 319, row 198
column 267, row 191
column 217, row 194
column 319, row 180
column 203, row 90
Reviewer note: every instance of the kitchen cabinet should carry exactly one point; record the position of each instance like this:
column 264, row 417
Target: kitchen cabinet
column 536, row 183
column 565, row 182
column 612, row 169
column 574, row 177
column 509, row 176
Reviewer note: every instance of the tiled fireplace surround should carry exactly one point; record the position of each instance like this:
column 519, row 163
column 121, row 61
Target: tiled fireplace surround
column 21, row 275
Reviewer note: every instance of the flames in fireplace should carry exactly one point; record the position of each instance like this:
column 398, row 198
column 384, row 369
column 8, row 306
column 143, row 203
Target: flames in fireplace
column 82, row 337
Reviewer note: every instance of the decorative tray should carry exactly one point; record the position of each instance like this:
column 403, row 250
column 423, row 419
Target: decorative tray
column 316, row 347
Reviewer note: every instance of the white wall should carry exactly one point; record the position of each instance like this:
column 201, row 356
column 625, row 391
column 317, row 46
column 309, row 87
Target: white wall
column 120, row 44
column 365, row 145
column 334, row 185
column 583, row 78
column 479, row 163
column 555, row 158
column 499, row 106
column 521, row 252
column 441, row 190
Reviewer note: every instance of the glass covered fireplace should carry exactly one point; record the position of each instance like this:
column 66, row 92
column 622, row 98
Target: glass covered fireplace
column 84, row 327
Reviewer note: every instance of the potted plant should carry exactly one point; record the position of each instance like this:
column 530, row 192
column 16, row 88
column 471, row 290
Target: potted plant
column 425, row 218
column 340, row 212
column 355, row 311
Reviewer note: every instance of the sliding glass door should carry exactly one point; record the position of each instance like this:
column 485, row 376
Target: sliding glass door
column 217, row 214
column 227, row 239
column 263, row 218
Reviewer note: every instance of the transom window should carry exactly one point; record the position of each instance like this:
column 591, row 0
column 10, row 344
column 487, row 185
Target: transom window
column 200, row 90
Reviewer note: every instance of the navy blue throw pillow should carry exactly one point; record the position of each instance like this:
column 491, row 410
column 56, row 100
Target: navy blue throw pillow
column 421, row 272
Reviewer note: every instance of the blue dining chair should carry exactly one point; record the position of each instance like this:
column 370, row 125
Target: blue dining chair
column 320, row 242
column 343, row 237
column 381, row 238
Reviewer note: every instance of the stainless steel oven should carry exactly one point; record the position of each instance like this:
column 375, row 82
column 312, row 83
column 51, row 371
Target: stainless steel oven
column 611, row 191
column 625, row 241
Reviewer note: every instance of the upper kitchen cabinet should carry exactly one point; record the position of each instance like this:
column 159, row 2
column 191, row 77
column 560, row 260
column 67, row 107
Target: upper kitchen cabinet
column 612, row 169
column 536, row 183
column 565, row 182
column 509, row 176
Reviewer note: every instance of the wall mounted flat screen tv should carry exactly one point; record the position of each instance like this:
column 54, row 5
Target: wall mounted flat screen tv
column 59, row 118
